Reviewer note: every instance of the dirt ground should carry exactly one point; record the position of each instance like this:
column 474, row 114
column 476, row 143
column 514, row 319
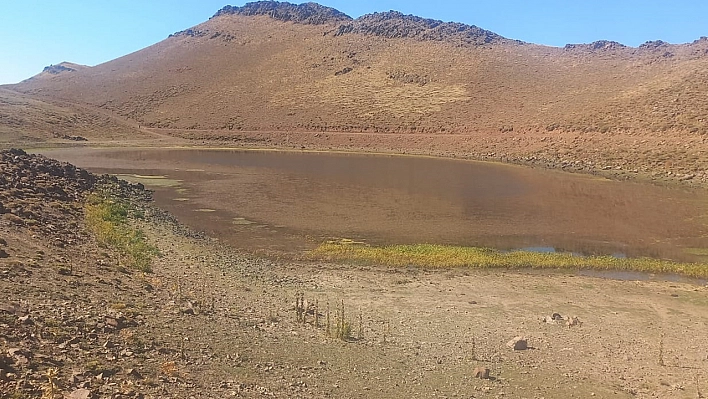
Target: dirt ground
column 212, row 323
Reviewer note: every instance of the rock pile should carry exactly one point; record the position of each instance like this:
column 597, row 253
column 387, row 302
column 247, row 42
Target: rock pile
column 46, row 196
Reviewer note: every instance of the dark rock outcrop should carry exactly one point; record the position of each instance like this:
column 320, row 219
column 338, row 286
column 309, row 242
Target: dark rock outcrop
column 391, row 24
column 57, row 69
column 596, row 46
column 307, row 13
column 394, row 24
column 652, row 44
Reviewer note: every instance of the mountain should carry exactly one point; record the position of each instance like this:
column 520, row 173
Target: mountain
column 278, row 66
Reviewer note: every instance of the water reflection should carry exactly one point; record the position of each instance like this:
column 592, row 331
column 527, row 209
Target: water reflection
column 392, row 199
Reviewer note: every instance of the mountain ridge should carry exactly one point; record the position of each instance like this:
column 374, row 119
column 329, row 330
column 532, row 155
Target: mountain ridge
column 280, row 66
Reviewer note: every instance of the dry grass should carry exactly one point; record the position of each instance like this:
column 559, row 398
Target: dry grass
column 441, row 256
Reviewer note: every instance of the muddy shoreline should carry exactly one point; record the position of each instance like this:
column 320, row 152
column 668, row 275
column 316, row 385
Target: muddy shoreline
column 673, row 158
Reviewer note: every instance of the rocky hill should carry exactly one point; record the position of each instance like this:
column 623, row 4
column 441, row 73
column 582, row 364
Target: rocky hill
column 279, row 66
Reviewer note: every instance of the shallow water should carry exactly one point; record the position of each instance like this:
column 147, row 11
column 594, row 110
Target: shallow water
column 285, row 202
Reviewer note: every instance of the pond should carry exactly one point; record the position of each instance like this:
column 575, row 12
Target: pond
column 285, row 202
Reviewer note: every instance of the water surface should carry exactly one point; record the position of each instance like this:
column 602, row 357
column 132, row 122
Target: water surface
column 285, row 202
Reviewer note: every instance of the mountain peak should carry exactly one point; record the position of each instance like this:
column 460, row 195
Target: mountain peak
column 62, row 67
column 306, row 13
column 596, row 46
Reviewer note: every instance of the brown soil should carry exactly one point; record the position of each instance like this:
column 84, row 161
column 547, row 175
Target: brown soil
column 210, row 322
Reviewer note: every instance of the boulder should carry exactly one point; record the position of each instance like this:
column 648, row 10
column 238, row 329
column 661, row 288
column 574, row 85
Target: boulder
column 481, row 373
column 518, row 344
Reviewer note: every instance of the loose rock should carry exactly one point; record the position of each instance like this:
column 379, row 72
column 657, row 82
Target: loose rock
column 481, row 373
column 518, row 344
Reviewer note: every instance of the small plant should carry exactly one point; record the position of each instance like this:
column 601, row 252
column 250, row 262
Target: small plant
column 273, row 318
column 300, row 311
column 51, row 390
column 387, row 331
column 329, row 329
column 473, row 350
column 360, row 335
column 661, row 351
column 317, row 314
column 343, row 329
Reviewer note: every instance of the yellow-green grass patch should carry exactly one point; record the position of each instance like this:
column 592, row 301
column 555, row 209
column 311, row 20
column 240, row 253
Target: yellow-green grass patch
column 108, row 218
column 443, row 256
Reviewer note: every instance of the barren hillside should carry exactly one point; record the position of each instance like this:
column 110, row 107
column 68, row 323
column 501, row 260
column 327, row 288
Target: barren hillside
column 278, row 66
column 28, row 119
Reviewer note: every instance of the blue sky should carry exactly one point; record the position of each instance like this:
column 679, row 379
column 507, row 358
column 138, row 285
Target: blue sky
column 34, row 33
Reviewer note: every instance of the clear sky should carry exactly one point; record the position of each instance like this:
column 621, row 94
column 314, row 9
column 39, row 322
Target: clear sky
column 37, row 33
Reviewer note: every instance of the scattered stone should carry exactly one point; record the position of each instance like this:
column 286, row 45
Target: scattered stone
column 189, row 308
column 553, row 319
column 113, row 322
column 134, row 373
column 518, row 344
column 4, row 254
column 80, row 394
column 573, row 321
column 14, row 219
column 481, row 373
column 20, row 356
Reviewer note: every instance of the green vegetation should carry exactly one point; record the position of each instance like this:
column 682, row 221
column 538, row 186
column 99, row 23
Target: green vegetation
column 441, row 256
column 108, row 218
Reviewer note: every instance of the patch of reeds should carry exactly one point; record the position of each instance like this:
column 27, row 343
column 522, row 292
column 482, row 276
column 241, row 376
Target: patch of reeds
column 443, row 256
